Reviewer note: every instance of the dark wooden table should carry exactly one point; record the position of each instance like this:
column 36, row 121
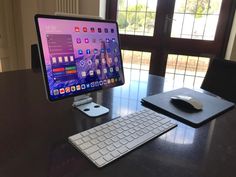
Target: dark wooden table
column 34, row 132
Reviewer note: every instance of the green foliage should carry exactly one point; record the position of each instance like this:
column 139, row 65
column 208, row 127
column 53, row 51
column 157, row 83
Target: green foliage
column 123, row 23
column 200, row 7
column 136, row 19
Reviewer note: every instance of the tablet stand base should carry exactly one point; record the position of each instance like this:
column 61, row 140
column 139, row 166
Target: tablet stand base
column 84, row 103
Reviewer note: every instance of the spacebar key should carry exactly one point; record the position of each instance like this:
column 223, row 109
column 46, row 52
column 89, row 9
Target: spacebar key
column 140, row 140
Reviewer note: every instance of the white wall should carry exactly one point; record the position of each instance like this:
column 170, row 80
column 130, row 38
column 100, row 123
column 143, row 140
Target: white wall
column 28, row 29
column 8, row 45
column 231, row 49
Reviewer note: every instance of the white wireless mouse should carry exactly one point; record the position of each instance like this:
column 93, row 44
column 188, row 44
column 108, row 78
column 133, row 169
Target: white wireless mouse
column 187, row 102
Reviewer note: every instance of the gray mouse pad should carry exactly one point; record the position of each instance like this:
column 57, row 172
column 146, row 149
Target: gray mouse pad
column 212, row 106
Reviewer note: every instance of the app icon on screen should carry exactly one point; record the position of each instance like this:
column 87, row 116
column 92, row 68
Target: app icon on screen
column 62, row 90
column 91, row 72
column 83, row 73
column 54, row 60
column 108, row 50
column 111, row 70
column 105, row 82
column 86, row 40
column 71, row 58
column 60, row 59
column 106, row 30
column 56, row 92
column 82, row 63
column 109, row 60
column 85, row 29
column 77, row 29
column 95, row 51
column 92, row 29
column 96, row 83
column 112, row 30
column 78, row 87
column 78, row 40
column 67, row 89
column 88, row 51
column 98, row 71
column 66, row 58
column 90, row 62
column 103, row 61
column 80, row 52
column 72, row 88
column 83, row 86
column 96, row 61
column 99, row 30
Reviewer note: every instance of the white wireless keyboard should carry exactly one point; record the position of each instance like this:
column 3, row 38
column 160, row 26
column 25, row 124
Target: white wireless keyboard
column 107, row 142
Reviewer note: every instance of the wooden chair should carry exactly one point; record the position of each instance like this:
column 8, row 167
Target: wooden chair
column 220, row 79
column 35, row 60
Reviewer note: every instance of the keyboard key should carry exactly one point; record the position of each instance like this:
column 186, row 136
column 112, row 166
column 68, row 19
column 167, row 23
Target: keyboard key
column 104, row 151
column 95, row 155
column 123, row 141
column 129, row 138
column 126, row 133
column 101, row 138
column 108, row 141
column 92, row 130
column 85, row 133
column 106, row 130
column 94, row 135
column 117, row 144
column 115, row 139
column 111, row 148
column 101, row 145
column 75, row 137
column 120, row 136
column 85, row 145
column 108, row 135
column 85, row 139
column 114, row 133
column 99, row 133
column 79, row 142
column 139, row 140
column 123, row 149
column 95, row 141
column 108, row 157
column 115, row 153
column 100, row 161
column 98, row 128
column 91, row 149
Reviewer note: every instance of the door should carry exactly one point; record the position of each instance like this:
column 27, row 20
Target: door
column 180, row 34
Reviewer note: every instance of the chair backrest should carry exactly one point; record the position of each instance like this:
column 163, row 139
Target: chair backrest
column 220, row 79
column 35, row 60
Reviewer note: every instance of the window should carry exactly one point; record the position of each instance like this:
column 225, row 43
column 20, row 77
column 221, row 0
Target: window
column 196, row 19
column 188, row 71
column 136, row 17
